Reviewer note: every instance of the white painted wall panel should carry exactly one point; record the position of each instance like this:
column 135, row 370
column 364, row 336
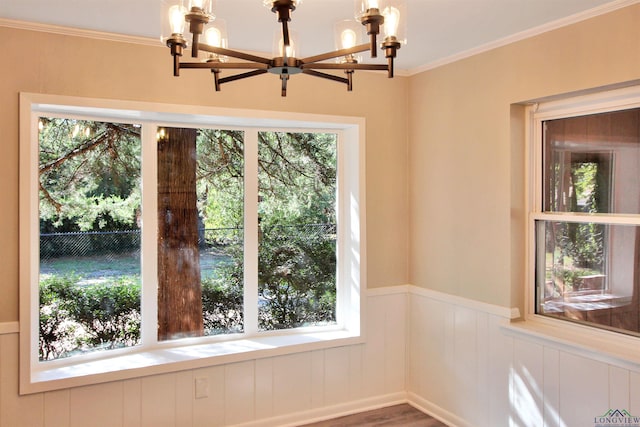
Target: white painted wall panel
column 131, row 403
column 184, row 398
column 374, row 350
column 317, row 379
column 527, row 379
column 430, row 349
column 209, row 411
column 551, row 388
column 291, row 383
column 96, row 406
column 619, row 388
column 444, row 365
column 356, row 390
column 395, row 342
column 484, row 379
column 239, row 392
column 264, row 387
column 455, row 346
column 584, row 389
column 501, row 348
column 634, row 393
column 337, row 372
column 464, row 372
column 158, row 403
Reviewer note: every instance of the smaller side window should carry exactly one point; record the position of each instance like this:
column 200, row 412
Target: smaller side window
column 587, row 235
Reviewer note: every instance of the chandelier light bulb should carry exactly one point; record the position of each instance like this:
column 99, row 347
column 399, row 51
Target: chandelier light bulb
column 290, row 50
column 348, row 38
column 391, row 22
column 214, row 37
column 373, row 4
column 197, row 4
column 176, row 19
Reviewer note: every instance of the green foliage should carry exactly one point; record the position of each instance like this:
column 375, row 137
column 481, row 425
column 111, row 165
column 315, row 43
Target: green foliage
column 296, row 280
column 56, row 330
column 222, row 302
column 109, row 313
column 220, row 178
column 77, row 318
column 89, row 175
column 297, row 178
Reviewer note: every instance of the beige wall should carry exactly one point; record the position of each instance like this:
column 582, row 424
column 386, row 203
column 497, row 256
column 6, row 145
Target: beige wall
column 466, row 180
column 57, row 64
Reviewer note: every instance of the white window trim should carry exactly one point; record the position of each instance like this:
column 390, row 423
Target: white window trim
column 607, row 346
column 189, row 353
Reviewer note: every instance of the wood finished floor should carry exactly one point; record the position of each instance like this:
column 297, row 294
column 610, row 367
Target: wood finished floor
column 398, row 415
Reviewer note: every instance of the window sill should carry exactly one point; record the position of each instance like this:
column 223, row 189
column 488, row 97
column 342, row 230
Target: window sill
column 604, row 346
column 178, row 358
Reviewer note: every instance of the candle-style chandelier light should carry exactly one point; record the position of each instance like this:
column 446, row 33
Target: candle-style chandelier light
column 213, row 54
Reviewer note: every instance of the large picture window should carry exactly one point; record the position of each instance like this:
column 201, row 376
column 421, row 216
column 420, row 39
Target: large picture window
column 188, row 238
column 587, row 221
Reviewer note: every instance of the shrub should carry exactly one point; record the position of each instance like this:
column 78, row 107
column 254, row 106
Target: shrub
column 222, row 302
column 56, row 330
column 76, row 318
column 109, row 313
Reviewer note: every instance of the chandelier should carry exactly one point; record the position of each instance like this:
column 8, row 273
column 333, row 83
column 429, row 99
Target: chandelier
column 213, row 54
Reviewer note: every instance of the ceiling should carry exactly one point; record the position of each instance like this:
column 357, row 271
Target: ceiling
column 437, row 30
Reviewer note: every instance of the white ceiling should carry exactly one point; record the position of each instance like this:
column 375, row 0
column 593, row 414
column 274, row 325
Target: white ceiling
column 437, row 30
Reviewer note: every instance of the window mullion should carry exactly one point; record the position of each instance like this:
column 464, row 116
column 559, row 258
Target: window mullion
column 149, row 236
column 251, row 231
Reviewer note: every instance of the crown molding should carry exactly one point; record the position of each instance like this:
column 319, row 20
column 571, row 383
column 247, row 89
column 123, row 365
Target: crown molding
column 78, row 32
column 550, row 26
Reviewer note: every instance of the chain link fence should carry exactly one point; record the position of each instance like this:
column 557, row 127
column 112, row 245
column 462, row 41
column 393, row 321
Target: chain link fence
column 113, row 244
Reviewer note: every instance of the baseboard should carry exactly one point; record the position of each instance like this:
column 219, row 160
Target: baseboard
column 435, row 411
column 328, row 412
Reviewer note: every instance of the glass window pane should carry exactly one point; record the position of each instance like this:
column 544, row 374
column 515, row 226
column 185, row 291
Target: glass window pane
column 591, row 163
column 590, row 273
column 89, row 210
column 220, row 187
column 297, row 240
column 200, row 232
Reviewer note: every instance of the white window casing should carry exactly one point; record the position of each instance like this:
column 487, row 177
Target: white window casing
column 152, row 356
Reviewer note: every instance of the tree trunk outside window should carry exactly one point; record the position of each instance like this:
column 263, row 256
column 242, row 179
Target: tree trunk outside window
column 179, row 287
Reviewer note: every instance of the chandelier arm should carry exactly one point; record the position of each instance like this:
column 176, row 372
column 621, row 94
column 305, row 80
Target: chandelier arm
column 241, row 76
column 345, row 66
column 224, row 65
column 336, row 54
column 234, row 54
column 216, row 79
column 325, row 76
column 241, row 66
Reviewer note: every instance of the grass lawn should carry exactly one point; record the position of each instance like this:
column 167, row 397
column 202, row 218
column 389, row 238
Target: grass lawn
column 98, row 269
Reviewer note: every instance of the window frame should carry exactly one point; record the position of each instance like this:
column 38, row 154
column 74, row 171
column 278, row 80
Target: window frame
column 154, row 356
column 606, row 345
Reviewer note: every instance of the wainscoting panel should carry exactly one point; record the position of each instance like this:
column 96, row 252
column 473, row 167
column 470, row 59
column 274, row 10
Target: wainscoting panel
column 284, row 390
column 468, row 368
column 455, row 359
